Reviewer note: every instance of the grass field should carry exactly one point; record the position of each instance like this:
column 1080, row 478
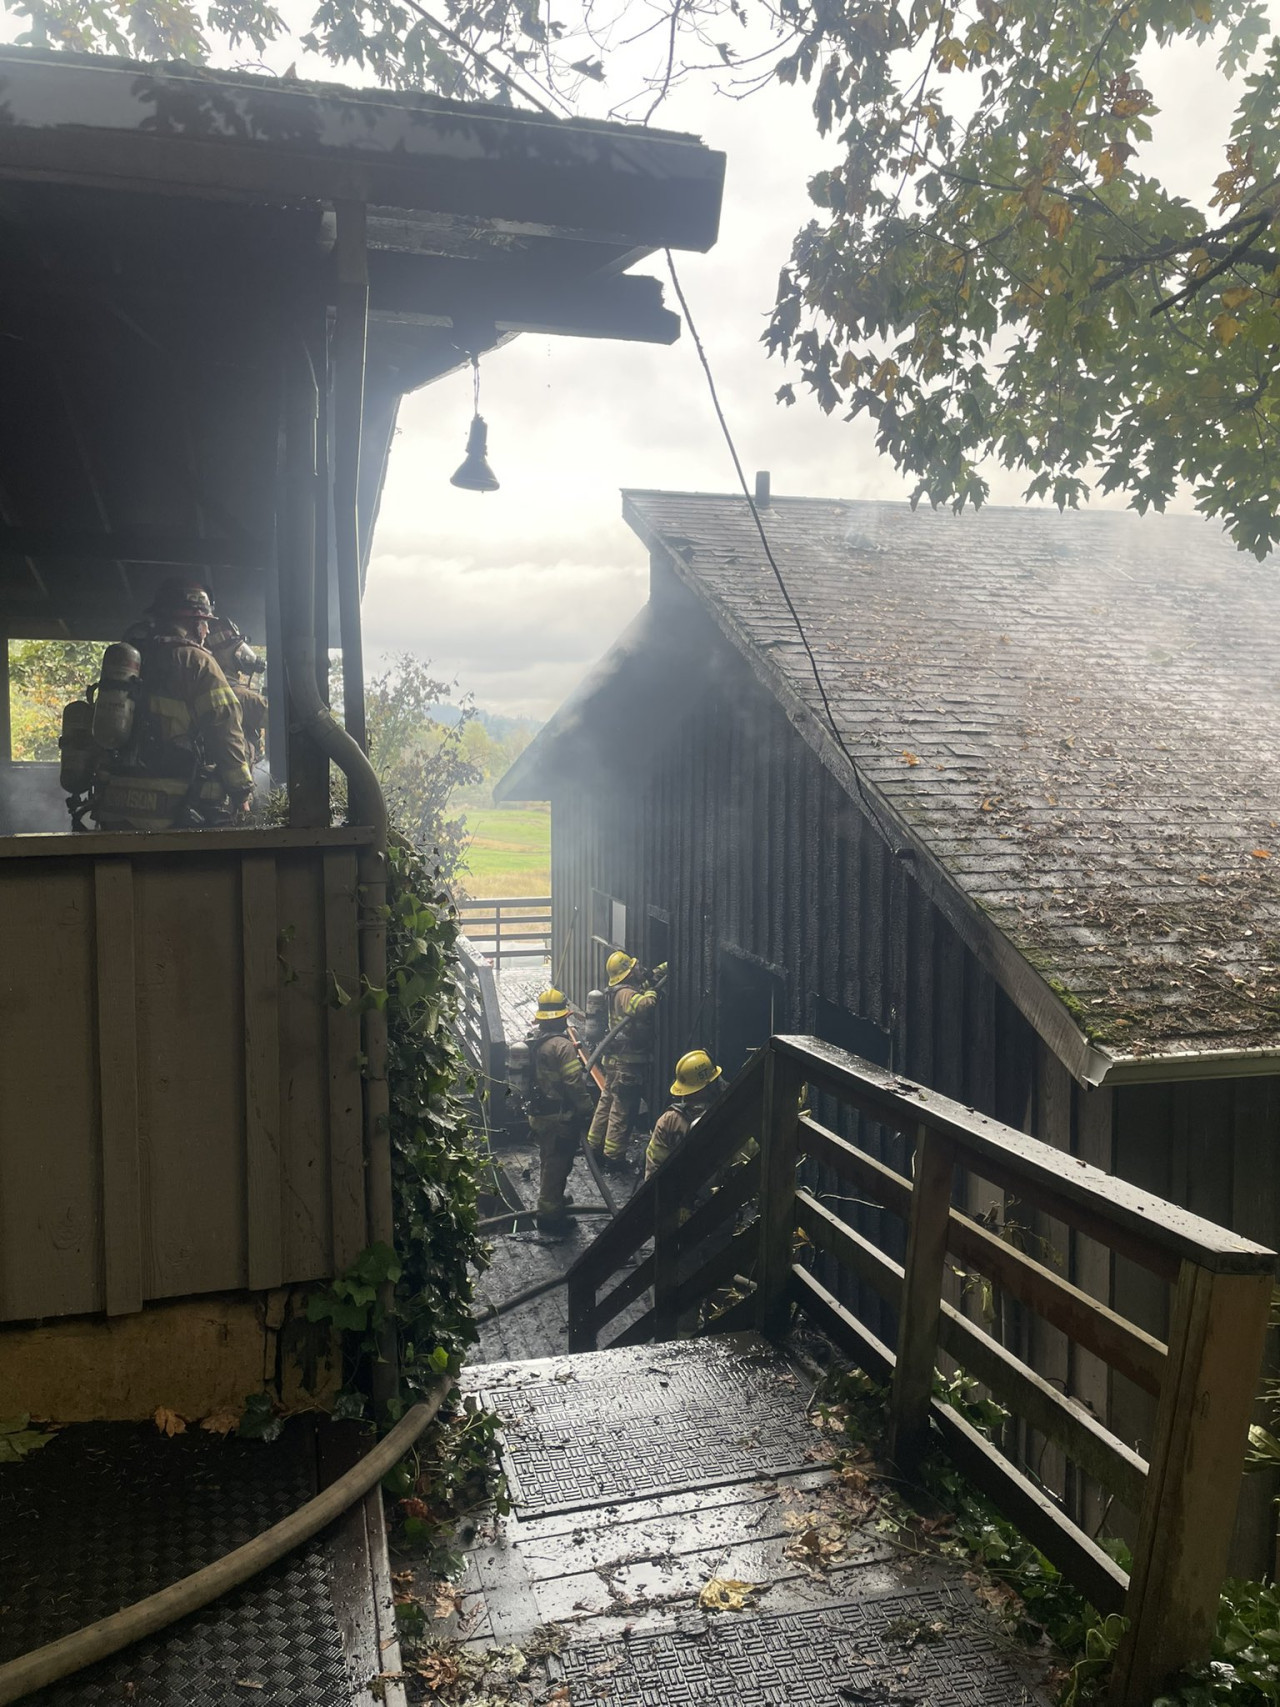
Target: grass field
column 510, row 851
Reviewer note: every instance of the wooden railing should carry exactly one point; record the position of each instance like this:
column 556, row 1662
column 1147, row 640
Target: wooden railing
column 510, row 927
column 1183, row 1497
column 480, row 1029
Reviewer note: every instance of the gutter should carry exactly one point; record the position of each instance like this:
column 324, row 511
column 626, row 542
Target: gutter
column 1189, row 1064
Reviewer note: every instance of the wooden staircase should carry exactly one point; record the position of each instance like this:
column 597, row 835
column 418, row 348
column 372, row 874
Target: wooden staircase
column 712, row 1238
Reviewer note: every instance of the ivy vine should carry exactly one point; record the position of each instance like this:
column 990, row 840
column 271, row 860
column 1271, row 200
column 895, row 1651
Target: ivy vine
column 436, row 1164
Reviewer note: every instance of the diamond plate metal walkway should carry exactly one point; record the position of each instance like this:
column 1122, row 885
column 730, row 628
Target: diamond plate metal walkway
column 641, row 1477
column 107, row 1513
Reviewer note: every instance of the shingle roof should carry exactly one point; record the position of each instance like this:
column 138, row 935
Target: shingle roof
column 1077, row 715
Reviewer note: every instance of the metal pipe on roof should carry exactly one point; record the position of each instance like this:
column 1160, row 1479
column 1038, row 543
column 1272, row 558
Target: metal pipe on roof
column 350, row 344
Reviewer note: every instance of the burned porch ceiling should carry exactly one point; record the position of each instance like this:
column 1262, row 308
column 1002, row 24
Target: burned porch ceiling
column 1072, row 719
column 164, row 231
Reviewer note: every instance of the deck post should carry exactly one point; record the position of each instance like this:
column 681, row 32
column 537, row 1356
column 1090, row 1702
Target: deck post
column 921, row 1312
column 779, row 1134
column 666, row 1261
column 581, row 1302
column 1219, row 1324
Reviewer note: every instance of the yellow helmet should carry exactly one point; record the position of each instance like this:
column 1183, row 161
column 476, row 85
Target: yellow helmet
column 619, row 966
column 694, row 1072
column 552, row 1004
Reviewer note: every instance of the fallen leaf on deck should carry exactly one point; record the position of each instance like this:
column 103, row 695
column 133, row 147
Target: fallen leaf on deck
column 1261, row 853
column 908, row 757
column 726, row 1594
column 221, row 1422
column 169, row 1422
column 447, row 1600
column 439, row 1670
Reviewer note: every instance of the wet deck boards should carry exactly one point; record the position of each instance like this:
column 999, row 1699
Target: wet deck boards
column 642, row 1475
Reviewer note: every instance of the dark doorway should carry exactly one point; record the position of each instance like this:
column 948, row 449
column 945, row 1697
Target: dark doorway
column 749, row 1006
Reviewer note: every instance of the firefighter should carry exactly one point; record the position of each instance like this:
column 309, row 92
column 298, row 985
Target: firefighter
column 559, row 1106
column 692, row 1096
column 239, row 663
column 626, row 1062
column 186, row 761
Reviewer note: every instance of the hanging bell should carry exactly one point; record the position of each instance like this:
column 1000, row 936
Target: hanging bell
column 474, row 474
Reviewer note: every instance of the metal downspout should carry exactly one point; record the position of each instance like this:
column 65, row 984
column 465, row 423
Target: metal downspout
column 366, row 806
column 350, row 343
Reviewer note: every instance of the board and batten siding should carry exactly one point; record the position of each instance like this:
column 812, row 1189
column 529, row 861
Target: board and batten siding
column 733, row 828
column 180, row 1102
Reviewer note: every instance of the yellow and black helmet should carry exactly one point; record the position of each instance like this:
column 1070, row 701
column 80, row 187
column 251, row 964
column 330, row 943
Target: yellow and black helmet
column 694, row 1072
column 619, row 966
column 552, row 1004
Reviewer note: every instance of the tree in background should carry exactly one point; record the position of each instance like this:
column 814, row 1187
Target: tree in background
column 422, row 761
column 991, row 275
column 43, row 676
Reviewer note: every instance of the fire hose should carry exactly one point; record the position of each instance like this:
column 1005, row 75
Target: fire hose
column 494, row 1221
column 43, row 1666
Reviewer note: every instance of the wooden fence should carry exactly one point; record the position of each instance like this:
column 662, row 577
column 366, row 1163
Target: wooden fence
column 751, row 1220
column 509, row 927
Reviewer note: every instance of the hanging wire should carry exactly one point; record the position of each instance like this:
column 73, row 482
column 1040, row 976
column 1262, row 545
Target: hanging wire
column 891, row 831
column 475, row 385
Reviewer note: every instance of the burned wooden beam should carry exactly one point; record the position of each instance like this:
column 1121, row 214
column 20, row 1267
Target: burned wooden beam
column 427, row 290
column 133, row 545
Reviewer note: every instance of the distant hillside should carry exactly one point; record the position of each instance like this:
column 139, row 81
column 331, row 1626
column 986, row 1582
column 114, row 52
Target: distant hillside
column 494, row 723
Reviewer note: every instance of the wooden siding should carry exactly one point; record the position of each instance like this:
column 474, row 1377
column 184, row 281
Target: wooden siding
column 180, row 1107
column 736, row 830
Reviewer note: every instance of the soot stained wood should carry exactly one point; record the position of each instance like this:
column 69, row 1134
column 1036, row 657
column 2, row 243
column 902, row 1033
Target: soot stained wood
column 731, row 825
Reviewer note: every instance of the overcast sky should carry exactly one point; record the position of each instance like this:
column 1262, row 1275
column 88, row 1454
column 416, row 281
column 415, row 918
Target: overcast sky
column 515, row 593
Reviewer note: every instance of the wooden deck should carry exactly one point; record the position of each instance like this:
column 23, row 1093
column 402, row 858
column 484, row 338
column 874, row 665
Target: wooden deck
column 682, row 1534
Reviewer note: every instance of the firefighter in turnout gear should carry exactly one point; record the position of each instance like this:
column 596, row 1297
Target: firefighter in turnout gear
column 186, row 760
column 239, row 663
column 559, row 1106
column 692, row 1096
column 626, row 1063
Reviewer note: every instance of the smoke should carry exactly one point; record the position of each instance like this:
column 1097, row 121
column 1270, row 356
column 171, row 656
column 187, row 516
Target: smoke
column 31, row 801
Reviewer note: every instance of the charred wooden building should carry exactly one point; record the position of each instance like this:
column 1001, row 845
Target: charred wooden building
column 1003, row 817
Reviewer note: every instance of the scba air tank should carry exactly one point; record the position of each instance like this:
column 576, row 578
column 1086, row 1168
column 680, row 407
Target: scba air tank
column 520, row 1070
column 77, row 748
column 597, row 1018
column 115, row 696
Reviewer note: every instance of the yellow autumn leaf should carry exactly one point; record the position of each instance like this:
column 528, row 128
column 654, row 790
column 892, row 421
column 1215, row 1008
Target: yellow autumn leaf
column 908, row 757
column 1058, row 216
column 726, row 1594
column 951, row 53
column 169, row 1422
column 1261, row 853
column 1237, row 297
column 221, row 1422
column 1225, row 327
column 1203, row 11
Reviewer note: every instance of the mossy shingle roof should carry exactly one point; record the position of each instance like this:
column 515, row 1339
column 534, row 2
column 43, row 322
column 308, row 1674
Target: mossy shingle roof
column 1077, row 715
